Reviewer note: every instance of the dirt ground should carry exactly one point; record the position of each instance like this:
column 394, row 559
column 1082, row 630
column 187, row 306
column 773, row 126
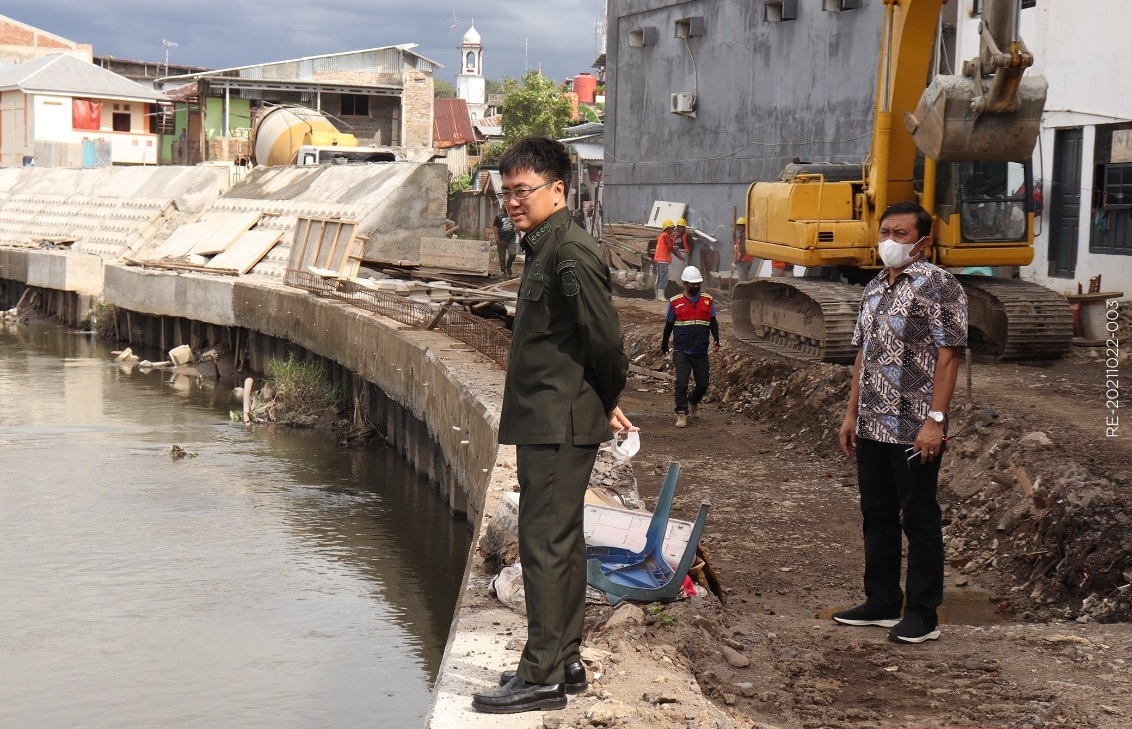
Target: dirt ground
column 1038, row 531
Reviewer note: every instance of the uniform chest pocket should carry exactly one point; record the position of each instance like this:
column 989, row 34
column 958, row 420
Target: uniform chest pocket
column 533, row 313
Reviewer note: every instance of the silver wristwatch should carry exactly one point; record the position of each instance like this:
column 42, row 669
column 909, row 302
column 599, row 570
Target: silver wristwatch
column 936, row 416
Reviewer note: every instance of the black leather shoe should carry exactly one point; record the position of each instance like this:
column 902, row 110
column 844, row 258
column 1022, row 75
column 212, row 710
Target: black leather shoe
column 517, row 695
column 575, row 678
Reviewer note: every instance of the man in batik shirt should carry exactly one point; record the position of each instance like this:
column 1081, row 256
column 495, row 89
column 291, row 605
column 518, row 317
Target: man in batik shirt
column 911, row 330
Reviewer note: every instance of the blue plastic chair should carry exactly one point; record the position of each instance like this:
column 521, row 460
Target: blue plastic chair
column 645, row 576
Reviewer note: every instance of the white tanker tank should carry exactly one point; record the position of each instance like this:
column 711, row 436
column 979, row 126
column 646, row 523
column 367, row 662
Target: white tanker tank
column 282, row 131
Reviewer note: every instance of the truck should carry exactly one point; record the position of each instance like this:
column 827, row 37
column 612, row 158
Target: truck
column 297, row 135
column 962, row 150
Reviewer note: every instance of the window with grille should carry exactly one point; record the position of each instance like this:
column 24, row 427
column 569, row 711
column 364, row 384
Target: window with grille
column 1111, row 223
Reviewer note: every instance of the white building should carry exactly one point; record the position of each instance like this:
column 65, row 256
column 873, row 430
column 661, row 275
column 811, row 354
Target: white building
column 471, row 86
column 1084, row 154
column 59, row 111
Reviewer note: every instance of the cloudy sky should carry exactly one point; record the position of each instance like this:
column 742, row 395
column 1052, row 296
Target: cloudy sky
column 558, row 36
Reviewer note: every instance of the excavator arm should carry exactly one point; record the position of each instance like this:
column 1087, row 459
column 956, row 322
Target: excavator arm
column 992, row 111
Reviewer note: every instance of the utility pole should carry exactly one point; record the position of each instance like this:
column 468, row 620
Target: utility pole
column 167, row 44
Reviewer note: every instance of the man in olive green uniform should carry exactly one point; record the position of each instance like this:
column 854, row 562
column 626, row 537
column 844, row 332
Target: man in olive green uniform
column 565, row 374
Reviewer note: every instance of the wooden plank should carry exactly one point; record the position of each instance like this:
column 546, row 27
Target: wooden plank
column 651, row 373
column 355, row 248
column 246, row 251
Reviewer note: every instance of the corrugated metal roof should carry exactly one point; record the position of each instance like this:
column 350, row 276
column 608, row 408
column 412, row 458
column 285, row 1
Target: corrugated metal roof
column 452, row 126
column 490, row 131
column 582, row 130
column 66, row 75
column 386, row 59
column 588, row 151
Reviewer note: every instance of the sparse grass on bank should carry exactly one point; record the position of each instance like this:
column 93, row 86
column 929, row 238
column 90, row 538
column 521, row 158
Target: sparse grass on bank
column 299, row 391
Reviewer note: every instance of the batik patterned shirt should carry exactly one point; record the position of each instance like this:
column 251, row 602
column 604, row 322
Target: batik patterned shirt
column 901, row 327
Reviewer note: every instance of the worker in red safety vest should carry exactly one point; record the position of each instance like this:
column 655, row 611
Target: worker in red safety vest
column 691, row 315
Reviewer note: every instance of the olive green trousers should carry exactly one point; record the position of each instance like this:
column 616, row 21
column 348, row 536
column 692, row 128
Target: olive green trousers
column 552, row 548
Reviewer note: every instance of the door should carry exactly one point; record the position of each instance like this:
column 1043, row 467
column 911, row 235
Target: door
column 1065, row 203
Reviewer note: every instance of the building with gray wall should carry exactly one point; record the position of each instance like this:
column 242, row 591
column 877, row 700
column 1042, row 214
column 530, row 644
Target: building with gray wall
column 762, row 89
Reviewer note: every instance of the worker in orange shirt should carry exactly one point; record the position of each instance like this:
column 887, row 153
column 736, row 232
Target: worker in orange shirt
column 686, row 242
column 665, row 248
column 743, row 260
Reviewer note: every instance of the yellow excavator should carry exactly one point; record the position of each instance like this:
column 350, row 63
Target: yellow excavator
column 975, row 134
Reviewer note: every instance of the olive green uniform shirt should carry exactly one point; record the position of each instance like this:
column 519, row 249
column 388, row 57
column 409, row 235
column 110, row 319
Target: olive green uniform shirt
column 566, row 368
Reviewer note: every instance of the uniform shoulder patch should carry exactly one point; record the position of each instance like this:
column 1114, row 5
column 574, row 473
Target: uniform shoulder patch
column 570, row 284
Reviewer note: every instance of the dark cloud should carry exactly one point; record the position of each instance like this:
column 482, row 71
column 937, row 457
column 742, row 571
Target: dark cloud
column 557, row 37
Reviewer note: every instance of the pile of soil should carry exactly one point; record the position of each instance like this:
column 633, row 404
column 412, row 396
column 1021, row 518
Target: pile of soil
column 1035, row 623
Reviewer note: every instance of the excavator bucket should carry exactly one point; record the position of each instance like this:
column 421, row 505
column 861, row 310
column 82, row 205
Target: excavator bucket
column 947, row 128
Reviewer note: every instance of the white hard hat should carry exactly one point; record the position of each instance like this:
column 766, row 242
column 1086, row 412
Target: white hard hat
column 691, row 274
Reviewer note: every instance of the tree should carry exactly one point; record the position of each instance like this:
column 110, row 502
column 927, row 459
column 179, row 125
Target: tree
column 537, row 108
column 492, row 153
column 588, row 114
column 441, row 89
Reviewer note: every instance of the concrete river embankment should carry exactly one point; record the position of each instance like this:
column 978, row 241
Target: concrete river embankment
column 80, row 240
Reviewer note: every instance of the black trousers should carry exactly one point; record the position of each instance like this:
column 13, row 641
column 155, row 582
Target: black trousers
column 900, row 496
column 552, row 549
column 697, row 366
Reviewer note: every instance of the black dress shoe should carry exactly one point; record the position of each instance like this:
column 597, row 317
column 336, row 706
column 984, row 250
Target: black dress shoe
column 575, row 678
column 517, row 695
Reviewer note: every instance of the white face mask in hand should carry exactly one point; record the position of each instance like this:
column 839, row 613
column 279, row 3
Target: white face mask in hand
column 895, row 255
column 625, row 444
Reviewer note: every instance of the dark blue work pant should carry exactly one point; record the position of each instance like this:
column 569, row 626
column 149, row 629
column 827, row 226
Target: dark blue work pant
column 695, row 365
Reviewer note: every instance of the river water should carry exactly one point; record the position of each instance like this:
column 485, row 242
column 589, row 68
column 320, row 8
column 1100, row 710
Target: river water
column 273, row 580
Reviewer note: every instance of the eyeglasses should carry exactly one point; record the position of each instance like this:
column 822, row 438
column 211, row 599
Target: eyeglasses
column 521, row 193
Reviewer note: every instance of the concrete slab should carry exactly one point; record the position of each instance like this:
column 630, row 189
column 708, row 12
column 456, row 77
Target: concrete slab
column 223, row 230
column 246, row 251
column 65, row 272
column 453, row 254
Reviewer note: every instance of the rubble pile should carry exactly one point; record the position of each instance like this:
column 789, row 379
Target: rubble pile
column 1058, row 539
column 1052, row 539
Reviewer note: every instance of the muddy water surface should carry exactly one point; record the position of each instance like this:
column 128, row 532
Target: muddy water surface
column 274, row 580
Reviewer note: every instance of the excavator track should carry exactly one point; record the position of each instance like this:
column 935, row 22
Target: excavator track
column 1016, row 319
column 809, row 318
column 814, row 318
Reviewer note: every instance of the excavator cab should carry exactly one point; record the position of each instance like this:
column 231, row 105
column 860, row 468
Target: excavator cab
column 990, row 197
